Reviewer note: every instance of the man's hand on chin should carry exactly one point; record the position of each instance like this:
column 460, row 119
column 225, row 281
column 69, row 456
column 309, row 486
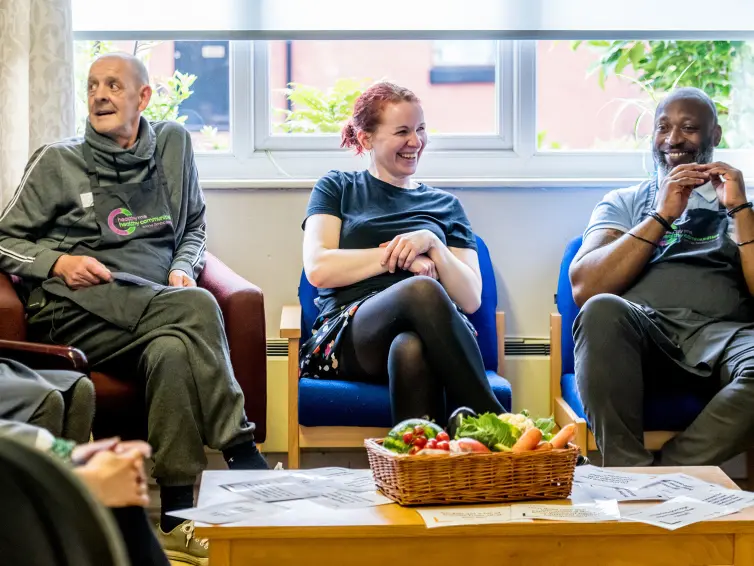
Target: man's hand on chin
column 178, row 278
column 728, row 183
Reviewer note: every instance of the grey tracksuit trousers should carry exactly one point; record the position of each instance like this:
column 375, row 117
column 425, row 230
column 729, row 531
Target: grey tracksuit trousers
column 180, row 350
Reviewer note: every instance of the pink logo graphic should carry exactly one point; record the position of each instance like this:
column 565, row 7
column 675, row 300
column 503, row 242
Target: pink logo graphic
column 111, row 222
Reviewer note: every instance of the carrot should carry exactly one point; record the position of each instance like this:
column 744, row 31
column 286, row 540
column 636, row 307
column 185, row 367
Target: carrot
column 563, row 437
column 528, row 441
column 542, row 446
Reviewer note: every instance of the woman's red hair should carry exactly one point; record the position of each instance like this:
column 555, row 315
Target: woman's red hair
column 367, row 111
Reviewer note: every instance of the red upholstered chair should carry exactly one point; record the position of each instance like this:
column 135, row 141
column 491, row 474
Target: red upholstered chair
column 120, row 403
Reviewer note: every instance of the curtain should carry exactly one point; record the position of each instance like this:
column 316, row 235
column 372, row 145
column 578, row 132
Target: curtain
column 36, row 83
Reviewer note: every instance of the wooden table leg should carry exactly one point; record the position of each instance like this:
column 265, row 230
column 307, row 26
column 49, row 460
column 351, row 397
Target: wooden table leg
column 219, row 553
column 743, row 553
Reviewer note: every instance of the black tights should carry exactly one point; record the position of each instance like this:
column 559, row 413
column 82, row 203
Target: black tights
column 412, row 336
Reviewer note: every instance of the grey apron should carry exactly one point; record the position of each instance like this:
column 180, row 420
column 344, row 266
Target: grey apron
column 22, row 390
column 136, row 243
column 696, row 288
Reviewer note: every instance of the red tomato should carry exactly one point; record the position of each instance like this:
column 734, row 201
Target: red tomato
column 418, row 431
column 431, row 444
column 443, row 445
column 413, row 450
column 420, row 441
column 442, row 436
column 408, row 437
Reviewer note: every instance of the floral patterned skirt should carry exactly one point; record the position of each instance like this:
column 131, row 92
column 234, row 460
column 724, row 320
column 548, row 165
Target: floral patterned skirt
column 318, row 356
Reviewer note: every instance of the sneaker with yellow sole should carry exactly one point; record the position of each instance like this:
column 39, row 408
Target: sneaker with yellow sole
column 181, row 545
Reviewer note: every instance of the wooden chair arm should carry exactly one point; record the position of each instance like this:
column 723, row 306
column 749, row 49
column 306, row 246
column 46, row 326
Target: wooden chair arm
column 500, row 327
column 290, row 328
column 44, row 356
column 290, row 322
column 556, row 360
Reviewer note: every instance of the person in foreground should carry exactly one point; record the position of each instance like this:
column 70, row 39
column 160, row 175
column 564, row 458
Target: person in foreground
column 396, row 267
column 665, row 278
column 114, row 473
column 108, row 233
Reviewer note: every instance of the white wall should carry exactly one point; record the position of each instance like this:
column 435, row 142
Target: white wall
column 258, row 233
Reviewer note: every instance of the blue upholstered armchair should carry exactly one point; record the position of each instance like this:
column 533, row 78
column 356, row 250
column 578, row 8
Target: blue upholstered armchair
column 326, row 413
column 664, row 415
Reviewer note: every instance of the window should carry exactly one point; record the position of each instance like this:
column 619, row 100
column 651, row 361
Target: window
column 190, row 81
column 325, row 77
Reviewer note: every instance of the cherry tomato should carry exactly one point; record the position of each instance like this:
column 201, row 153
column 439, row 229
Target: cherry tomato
column 408, row 437
column 432, row 444
column 418, row 431
column 442, row 436
column 420, row 441
column 443, row 445
column 413, row 450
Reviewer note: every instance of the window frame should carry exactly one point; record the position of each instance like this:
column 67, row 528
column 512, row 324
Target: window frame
column 258, row 159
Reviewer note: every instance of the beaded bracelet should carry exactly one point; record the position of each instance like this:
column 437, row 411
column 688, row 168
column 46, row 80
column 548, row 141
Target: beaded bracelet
column 665, row 224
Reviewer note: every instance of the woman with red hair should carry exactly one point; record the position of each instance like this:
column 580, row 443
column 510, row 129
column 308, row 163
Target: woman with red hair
column 396, row 268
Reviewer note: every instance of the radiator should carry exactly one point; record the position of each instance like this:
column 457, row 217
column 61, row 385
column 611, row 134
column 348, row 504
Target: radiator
column 527, row 367
column 277, row 396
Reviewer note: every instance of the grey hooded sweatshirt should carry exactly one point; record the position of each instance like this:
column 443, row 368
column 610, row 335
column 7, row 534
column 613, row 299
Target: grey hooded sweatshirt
column 52, row 212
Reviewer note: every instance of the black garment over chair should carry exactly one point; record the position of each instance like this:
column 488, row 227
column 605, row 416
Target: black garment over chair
column 48, row 517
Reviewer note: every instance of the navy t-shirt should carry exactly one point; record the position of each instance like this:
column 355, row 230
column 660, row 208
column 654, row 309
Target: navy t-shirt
column 372, row 212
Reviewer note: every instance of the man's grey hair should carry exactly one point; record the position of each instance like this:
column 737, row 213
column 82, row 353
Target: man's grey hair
column 138, row 67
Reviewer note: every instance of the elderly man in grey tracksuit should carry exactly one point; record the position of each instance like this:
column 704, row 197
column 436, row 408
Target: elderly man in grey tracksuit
column 107, row 232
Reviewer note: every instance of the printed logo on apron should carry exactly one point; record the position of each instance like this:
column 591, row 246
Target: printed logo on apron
column 124, row 223
column 687, row 236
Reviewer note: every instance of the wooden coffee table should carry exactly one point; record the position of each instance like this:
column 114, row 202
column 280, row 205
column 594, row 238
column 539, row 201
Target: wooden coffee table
column 391, row 535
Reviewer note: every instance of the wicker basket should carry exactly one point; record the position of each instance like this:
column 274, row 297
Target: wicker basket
column 472, row 478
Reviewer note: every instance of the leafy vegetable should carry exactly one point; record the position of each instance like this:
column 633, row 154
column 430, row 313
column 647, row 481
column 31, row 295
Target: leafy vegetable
column 489, row 430
column 546, row 426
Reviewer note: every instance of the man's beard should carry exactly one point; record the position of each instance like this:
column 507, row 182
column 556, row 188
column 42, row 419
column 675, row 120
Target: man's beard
column 703, row 155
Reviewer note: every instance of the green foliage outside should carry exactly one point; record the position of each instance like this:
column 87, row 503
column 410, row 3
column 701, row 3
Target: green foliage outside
column 317, row 111
column 722, row 69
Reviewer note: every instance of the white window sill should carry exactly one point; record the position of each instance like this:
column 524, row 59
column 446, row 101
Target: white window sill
column 445, row 183
column 447, row 169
